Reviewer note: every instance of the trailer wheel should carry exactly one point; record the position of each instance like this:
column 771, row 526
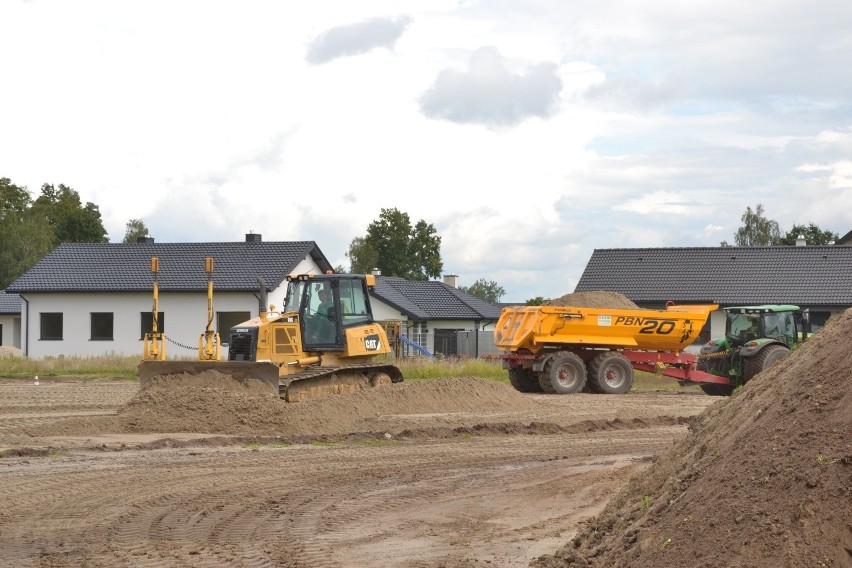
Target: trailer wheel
column 610, row 373
column 523, row 380
column 767, row 357
column 714, row 389
column 564, row 374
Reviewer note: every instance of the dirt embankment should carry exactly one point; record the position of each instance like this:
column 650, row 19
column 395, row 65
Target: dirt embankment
column 594, row 299
column 763, row 479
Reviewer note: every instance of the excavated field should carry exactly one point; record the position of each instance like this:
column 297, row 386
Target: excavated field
column 451, row 473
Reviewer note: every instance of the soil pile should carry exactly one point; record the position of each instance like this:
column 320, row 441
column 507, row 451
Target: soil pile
column 213, row 403
column 594, row 299
column 763, row 479
column 7, row 351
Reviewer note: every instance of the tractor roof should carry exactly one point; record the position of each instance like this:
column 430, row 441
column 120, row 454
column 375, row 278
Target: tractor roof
column 764, row 308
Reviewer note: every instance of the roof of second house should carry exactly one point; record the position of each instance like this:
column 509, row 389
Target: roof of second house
column 808, row 275
column 126, row 267
column 10, row 304
column 429, row 299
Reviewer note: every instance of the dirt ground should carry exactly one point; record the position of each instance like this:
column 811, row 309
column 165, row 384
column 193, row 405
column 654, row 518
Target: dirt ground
column 454, row 473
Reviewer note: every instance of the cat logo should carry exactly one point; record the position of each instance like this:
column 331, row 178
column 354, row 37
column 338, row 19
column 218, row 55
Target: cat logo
column 372, row 343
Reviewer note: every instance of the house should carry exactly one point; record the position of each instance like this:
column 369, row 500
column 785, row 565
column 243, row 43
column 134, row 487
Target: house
column 10, row 320
column 92, row 299
column 816, row 278
column 436, row 315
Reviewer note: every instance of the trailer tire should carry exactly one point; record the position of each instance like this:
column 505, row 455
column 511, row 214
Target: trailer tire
column 523, row 380
column 565, row 373
column 714, row 389
column 767, row 357
column 610, row 373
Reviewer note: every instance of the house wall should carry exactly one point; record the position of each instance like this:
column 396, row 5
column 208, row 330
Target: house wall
column 185, row 317
column 11, row 332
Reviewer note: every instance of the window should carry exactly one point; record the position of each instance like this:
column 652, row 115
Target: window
column 51, row 326
column 147, row 323
column 353, row 302
column 227, row 320
column 101, row 326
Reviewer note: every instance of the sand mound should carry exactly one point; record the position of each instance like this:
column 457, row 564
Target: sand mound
column 8, row 351
column 216, row 404
column 594, row 299
column 763, row 479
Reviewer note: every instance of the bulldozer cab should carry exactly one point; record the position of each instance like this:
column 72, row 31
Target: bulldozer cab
column 327, row 306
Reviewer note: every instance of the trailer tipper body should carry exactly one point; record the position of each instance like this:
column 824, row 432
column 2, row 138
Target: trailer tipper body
column 567, row 349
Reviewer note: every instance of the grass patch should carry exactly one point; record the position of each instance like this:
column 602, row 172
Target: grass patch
column 425, row 370
column 103, row 367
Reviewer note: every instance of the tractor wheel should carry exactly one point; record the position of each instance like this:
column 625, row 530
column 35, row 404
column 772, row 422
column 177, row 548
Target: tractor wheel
column 564, row 374
column 717, row 390
column 610, row 373
column 767, row 357
column 523, row 380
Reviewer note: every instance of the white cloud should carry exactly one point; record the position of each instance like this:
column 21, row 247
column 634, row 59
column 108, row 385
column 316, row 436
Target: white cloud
column 529, row 134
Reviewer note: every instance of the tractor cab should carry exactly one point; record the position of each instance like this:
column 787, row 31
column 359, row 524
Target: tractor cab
column 777, row 323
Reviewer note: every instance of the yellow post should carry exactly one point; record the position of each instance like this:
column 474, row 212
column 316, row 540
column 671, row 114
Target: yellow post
column 208, row 343
column 153, row 345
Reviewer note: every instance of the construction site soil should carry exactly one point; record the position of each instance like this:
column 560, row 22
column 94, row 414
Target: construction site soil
column 454, row 472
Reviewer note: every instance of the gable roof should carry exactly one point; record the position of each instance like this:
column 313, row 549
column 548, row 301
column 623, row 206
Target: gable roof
column 428, row 299
column 806, row 276
column 126, row 267
column 10, row 304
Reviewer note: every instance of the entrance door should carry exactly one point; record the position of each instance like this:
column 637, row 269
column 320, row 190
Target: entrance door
column 445, row 342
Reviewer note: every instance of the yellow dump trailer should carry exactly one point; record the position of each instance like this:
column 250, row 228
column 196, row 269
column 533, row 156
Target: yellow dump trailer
column 568, row 349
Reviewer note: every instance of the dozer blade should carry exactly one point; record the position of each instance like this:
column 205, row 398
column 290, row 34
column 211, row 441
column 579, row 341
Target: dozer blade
column 241, row 370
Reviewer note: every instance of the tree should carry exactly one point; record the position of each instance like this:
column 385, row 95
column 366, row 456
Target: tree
column 23, row 241
column 757, row 230
column 488, row 291
column 537, row 301
column 397, row 248
column 71, row 221
column 363, row 258
column 813, row 235
column 134, row 229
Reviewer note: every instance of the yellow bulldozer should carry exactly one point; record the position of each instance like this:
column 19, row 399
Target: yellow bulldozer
column 324, row 341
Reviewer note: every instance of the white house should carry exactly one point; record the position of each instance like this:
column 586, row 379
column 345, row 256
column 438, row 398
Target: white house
column 92, row 299
column 437, row 315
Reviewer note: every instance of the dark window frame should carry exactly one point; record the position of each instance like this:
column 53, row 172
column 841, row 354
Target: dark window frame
column 100, row 328
column 51, row 326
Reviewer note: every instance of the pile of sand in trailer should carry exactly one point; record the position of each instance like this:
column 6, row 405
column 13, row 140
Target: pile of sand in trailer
column 213, row 403
column 764, row 478
column 594, row 299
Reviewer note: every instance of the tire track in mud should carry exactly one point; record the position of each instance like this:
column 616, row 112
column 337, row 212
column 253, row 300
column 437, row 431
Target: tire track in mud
column 297, row 506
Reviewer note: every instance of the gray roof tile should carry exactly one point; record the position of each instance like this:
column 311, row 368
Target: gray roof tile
column 10, row 304
column 120, row 267
column 428, row 299
column 808, row 276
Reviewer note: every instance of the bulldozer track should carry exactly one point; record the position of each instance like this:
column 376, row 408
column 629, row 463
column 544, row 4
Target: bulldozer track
column 324, row 381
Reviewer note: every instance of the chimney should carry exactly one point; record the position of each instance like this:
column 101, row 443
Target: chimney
column 800, row 241
column 145, row 240
column 253, row 237
column 451, row 280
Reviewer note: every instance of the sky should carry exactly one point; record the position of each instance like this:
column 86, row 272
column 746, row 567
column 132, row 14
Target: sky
column 528, row 133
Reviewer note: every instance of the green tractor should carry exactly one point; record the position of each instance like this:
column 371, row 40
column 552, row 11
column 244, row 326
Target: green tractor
column 756, row 337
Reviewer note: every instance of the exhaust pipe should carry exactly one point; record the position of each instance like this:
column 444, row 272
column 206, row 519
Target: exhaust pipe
column 262, row 299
